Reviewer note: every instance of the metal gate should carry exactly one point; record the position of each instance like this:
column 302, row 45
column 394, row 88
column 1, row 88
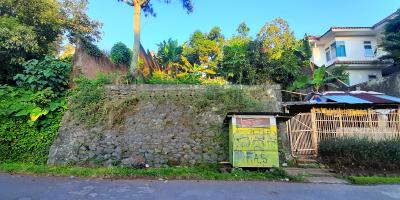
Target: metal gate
column 300, row 134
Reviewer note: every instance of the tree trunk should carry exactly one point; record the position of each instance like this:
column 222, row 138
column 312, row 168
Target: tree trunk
column 134, row 68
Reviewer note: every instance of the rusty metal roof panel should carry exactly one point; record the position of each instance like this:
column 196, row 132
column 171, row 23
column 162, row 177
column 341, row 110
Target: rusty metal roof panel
column 346, row 99
column 372, row 98
column 391, row 98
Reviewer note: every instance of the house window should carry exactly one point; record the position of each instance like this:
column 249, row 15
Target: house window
column 333, row 50
column 371, row 77
column 328, row 54
column 340, row 49
column 368, row 51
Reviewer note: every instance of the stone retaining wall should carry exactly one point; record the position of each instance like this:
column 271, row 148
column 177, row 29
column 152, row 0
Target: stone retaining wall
column 162, row 129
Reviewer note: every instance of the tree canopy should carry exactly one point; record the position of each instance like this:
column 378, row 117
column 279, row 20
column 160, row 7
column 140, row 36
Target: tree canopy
column 205, row 48
column 120, row 54
column 391, row 39
column 31, row 29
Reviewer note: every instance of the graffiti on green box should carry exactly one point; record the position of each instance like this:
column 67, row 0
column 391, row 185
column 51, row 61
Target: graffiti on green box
column 252, row 157
column 255, row 141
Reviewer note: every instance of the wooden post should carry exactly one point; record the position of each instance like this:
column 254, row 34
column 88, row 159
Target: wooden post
column 371, row 125
column 397, row 122
column 340, row 123
column 314, row 132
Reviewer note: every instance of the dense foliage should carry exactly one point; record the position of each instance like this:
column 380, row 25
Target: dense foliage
column 31, row 29
column 87, row 99
column 120, row 54
column 169, row 56
column 391, row 40
column 322, row 79
column 29, row 121
column 274, row 56
column 356, row 153
column 47, row 73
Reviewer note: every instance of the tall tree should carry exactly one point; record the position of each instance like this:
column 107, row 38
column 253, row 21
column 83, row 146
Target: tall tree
column 276, row 37
column 147, row 7
column 391, row 39
column 205, row 48
column 236, row 66
column 274, row 54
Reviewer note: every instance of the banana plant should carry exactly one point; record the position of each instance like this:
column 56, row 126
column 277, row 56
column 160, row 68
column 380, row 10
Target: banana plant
column 320, row 79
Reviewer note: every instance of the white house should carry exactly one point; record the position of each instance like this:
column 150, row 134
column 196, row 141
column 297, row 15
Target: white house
column 354, row 47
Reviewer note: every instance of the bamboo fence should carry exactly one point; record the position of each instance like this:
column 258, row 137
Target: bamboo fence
column 306, row 130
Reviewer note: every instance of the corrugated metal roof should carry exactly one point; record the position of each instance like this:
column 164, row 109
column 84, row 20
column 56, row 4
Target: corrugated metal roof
column 395, row 99
column 346, row 99
column 351, row 97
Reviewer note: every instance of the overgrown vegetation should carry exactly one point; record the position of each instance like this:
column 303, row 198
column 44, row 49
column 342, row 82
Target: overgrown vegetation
column 29, row 121
column 30, row 114
column 322, row 79
column 46, row 73
column 363, row 155
column 210, row 172
column 87, row 99
column 274, row 56
column 32, row 29
column 90, row 105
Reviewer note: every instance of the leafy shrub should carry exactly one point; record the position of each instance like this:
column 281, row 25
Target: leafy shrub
column 214, row 81
column 361, row 153
column 22, row 142
column 120, row 54
column 160, row 77
column 46, row 73
column 27, row 104
column 29, row 121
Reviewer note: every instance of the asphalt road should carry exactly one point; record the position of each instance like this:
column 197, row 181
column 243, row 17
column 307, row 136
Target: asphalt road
column 21, row 187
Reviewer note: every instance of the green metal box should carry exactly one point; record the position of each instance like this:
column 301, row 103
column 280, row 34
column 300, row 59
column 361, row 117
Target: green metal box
column 253, row 141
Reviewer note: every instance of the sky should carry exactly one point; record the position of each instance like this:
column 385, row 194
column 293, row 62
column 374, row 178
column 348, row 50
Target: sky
column 313, row 17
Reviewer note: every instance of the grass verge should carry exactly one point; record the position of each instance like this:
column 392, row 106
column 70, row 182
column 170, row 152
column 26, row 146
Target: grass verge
column 179, row 173
column 366, row 180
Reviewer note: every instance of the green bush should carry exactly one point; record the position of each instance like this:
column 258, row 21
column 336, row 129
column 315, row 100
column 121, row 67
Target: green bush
column 29, row 120
column 120, row 54
column 361, row 153
column 27, row 104
column 22, row 142
column 47, row 73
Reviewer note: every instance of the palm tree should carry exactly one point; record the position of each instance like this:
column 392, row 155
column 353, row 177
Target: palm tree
column 168, row 55
column 146, row 6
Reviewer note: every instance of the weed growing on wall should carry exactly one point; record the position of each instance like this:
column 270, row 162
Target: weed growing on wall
column 86, row 100
column 90, row 104
column 229, row 100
